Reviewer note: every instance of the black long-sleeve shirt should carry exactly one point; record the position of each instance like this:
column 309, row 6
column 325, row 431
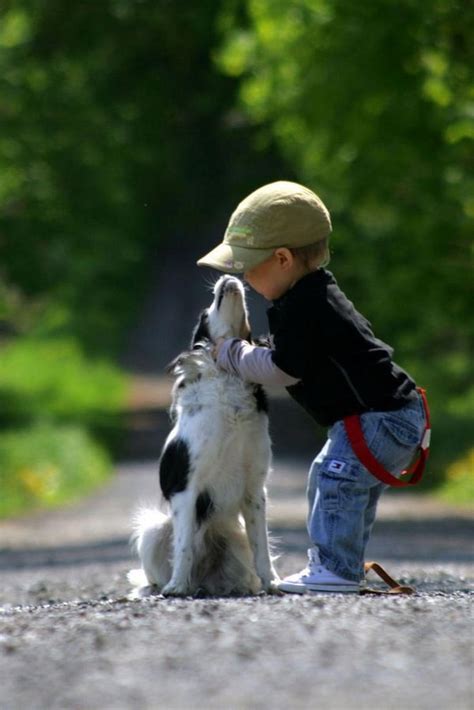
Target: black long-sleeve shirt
column 323, row 341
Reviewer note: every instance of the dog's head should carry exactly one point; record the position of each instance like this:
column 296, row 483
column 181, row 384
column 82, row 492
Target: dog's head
column 227, row 316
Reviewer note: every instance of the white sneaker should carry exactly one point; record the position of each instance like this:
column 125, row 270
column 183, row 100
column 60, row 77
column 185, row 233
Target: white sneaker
column 316, row 578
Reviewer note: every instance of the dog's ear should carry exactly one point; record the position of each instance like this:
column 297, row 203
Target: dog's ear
column 187, row 365
column 172, row 366
column 201, row 331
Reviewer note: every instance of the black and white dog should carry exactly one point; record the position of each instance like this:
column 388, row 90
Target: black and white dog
column 212, row 472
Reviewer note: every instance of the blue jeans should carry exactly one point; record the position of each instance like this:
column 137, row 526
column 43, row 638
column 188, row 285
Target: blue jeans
column 343, row 495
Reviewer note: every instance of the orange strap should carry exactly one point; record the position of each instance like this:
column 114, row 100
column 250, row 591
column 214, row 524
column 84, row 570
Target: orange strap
column 394, row 586
column 355, row 434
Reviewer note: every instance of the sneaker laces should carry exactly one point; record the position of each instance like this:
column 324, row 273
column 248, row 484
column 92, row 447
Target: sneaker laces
column 315, row 565
column 314, row 561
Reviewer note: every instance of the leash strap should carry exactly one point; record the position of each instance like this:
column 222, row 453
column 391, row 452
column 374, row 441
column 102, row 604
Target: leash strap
column 394, row 586
column 355, row 434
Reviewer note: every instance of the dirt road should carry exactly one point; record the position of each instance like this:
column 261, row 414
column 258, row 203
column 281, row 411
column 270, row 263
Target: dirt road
column 70, row 639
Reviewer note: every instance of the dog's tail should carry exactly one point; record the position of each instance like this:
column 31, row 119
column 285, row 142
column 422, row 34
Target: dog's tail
column 152, row 540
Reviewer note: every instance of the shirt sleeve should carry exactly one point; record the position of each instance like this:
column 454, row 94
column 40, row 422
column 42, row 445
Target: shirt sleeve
column 252, row 363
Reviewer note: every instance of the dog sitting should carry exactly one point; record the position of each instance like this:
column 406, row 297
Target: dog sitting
column 212, row 472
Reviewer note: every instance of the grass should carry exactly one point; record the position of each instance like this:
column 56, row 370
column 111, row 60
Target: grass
column 60, row 414
column 47, row 465
column 458, row 486
column 54, row 376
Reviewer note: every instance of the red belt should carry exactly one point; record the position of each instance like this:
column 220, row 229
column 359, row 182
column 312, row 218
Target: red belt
column 356, row 437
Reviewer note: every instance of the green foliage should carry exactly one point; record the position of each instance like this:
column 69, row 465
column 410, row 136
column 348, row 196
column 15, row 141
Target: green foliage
column 458, row 486
column 55, row 407
column 45, row 466
column 372, row 103
column 52, row 379
column 112, row 132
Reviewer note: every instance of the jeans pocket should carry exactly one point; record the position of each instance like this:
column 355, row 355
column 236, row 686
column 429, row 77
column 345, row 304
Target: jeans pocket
column 399, row 436
column 337, row 495
column 404, row 431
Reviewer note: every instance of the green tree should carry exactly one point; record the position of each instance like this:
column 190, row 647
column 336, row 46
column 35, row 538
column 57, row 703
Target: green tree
column 372, row 104
column 112, row 136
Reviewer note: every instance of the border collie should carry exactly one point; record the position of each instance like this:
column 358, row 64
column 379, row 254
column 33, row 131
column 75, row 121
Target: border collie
column 213, row 467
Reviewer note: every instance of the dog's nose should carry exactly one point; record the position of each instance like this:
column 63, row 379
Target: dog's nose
column 231, row 285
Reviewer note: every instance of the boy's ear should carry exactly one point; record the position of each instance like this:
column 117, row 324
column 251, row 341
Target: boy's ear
column 285, row 257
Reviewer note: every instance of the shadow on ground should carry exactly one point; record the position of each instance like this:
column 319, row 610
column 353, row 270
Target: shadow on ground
column 440, row 540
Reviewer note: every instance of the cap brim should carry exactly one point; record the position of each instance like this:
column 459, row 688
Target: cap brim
column 234, row 260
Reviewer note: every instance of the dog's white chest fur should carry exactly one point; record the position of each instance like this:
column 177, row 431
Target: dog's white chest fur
column 226, row 432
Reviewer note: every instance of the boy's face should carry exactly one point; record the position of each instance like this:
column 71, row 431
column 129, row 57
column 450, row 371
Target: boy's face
column 273, row 277
column 260, row 278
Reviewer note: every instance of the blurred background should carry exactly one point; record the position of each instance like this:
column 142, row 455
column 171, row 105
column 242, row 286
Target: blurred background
column 130, row 129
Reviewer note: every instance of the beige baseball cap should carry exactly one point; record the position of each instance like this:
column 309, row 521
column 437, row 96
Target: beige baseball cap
column 280, row 214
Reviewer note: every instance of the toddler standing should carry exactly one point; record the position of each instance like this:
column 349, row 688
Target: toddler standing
column 326, row 355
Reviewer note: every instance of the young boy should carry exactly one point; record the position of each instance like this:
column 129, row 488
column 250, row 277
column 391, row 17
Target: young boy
column 327, row 356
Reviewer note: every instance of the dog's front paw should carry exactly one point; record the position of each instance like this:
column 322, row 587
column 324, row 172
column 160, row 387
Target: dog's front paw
column 271, row 587
column 175, row 589
column 148, row 590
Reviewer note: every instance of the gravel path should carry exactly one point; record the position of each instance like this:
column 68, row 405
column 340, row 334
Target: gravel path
column 70, row 639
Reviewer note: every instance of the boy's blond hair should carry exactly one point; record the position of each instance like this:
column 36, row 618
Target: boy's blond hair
column 314, row 255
